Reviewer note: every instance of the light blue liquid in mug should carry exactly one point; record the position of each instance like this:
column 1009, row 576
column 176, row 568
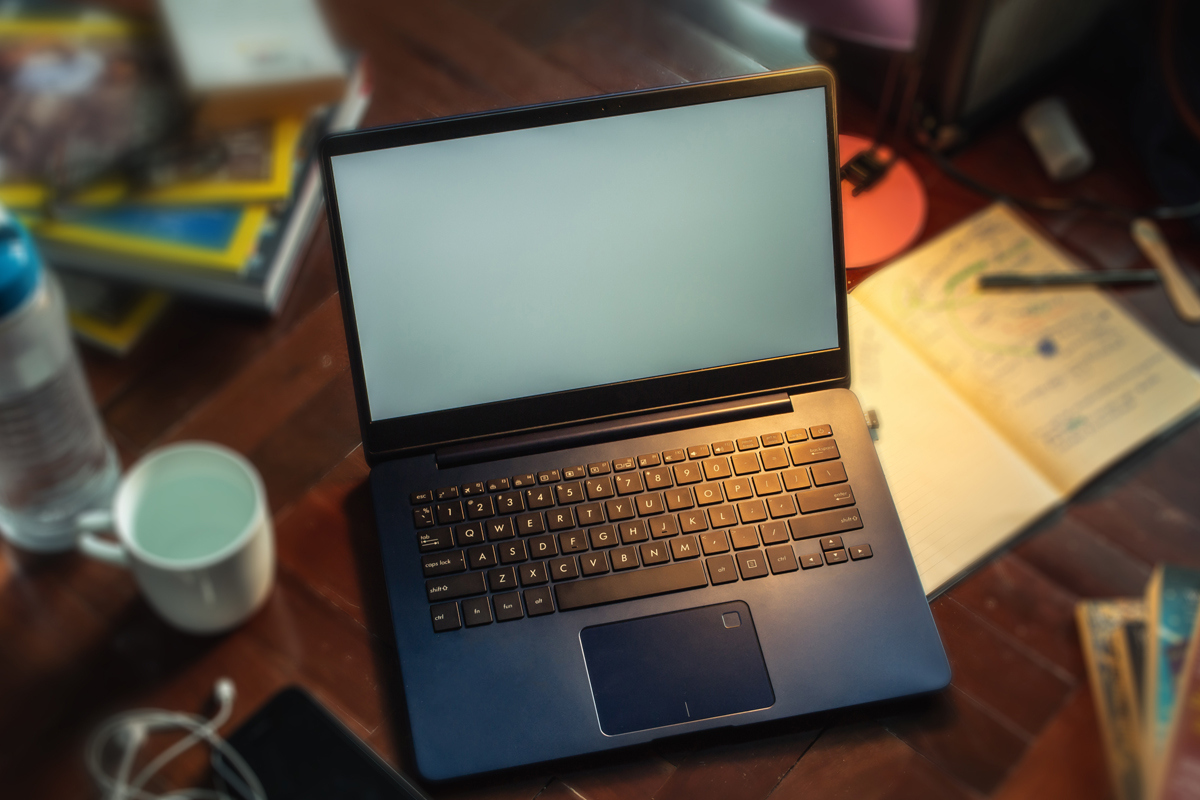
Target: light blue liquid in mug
column 191, row 517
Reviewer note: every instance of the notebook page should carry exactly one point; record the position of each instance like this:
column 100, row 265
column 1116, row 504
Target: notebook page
column 1065, row 375
column 960, row 489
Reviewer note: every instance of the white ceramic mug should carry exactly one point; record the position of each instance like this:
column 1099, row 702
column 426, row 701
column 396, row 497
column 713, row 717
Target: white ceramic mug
column 191, row 523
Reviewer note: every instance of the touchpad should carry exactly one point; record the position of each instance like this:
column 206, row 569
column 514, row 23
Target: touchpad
column 678, row 667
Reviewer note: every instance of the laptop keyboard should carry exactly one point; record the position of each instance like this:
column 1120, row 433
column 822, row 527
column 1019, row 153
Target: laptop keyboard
column 589, row 534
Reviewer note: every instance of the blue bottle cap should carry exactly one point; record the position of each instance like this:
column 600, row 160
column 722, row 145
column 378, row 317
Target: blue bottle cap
column 20, row 265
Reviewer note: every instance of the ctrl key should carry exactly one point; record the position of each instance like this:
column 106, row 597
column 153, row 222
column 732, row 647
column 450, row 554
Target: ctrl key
column 445, row 617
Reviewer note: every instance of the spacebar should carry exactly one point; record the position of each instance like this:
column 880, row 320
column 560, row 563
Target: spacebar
column 628, row 585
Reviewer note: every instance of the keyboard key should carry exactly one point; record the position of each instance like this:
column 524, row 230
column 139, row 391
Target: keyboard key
column 618, row 510
column 598, row 468
column 560, row 519
column 699, row 451
column 649, row 460
column 563, row 569
column 721, row 570
column 445, row 617
column 684, row 547
column 810, row 560
column 709, row 494
column 622, row 464
column 568, row 493
column 828, row 522
column 423, row 517
column 574, row 473
column 439, row 539
column 534, row 574
column 446, row 493
column 687, row 473
column 752, row 564
column 723, row 516
column 529, row 524
column 541, row 497
column 782, row 559
column 795, row 479
column 774, row 532
column 679, row 499
column 523, row 481
column 825, row 474
column 593, row 564
column 752, row 511
column 469, row 534
column 501, row 579
column 659, row 478
column 714, row 542
column 624, row 558
column 629, row 484
column 781, row 506
column 796, row 435
column 482, row 556
column 633, row 532
column 449, row 512
column 543, row 547
column 829, row 497
column 513, row 552
column 860, row 551
column 655, row 553
column 716, row 469
column 510, row 503
column 469, row 489
column 650, row 504
column 831, row 543
column 549, row 476
column 628, row 585
column 508, row 607
column 739, row 488
column 572, row 542
column 600, row 488
column 767, row 484
column 722, row 448
column 671, row 456
column 836, row 556
column 745, row 464
column 499, row 485
column 480, row 507
column 692, row 521
column 421, row 498
column 443, row 564
column 498, row 529
column 820, row 431
column 743, row 537
column 539, row 602
column 589, row 514
column 748, row 443
column 813, row 452
column 772, row 439
column 774, row 459
column 477, row 611
column 663, row 527
column 604, row 536
column 454, row 586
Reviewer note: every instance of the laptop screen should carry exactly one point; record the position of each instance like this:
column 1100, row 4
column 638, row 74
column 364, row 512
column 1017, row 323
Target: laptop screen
column 546, row 259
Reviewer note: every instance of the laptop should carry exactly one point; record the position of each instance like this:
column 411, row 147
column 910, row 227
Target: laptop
column 623, row 491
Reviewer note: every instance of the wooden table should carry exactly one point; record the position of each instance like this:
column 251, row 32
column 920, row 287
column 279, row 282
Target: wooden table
column 77, row 643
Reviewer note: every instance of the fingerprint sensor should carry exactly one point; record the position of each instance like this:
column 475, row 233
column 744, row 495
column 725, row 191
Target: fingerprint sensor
column 732, row 619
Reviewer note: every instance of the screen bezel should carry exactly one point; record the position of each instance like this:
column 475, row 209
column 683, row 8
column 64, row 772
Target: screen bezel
column 419, row 433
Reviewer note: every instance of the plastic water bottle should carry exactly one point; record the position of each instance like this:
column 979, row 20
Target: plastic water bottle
column 56, row 460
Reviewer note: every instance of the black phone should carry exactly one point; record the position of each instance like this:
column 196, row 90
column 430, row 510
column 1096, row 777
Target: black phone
column 299, row 751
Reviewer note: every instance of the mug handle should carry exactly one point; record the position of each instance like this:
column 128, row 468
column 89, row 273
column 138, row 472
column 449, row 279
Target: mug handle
column 89, row 523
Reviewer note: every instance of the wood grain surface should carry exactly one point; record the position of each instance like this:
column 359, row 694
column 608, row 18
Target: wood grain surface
column 77, row 643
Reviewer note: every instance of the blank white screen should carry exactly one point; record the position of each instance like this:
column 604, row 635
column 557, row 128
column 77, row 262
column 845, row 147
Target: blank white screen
column 540, row 260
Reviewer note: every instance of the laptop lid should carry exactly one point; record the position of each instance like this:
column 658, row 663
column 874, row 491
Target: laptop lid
column 533, row 268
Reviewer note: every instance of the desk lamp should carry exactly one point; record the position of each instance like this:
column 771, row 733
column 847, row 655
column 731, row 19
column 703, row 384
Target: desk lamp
column 883, row 201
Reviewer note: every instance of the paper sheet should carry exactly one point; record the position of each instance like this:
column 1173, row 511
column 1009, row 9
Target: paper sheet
column 960, row 489
column 1066, row 376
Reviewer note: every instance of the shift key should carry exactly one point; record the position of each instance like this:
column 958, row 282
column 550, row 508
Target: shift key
column 821, row 499
column 453, row 586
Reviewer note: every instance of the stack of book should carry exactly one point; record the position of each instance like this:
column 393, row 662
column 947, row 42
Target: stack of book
column 100, row 161
column 1145, row 673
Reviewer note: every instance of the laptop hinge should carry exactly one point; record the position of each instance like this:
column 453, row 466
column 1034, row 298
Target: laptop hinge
column 608, row 430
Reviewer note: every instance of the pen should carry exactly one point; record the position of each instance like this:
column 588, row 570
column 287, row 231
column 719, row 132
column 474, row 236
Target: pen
column 999, row 280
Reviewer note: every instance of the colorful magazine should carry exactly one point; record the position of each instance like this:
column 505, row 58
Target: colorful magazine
column 1171, row 601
